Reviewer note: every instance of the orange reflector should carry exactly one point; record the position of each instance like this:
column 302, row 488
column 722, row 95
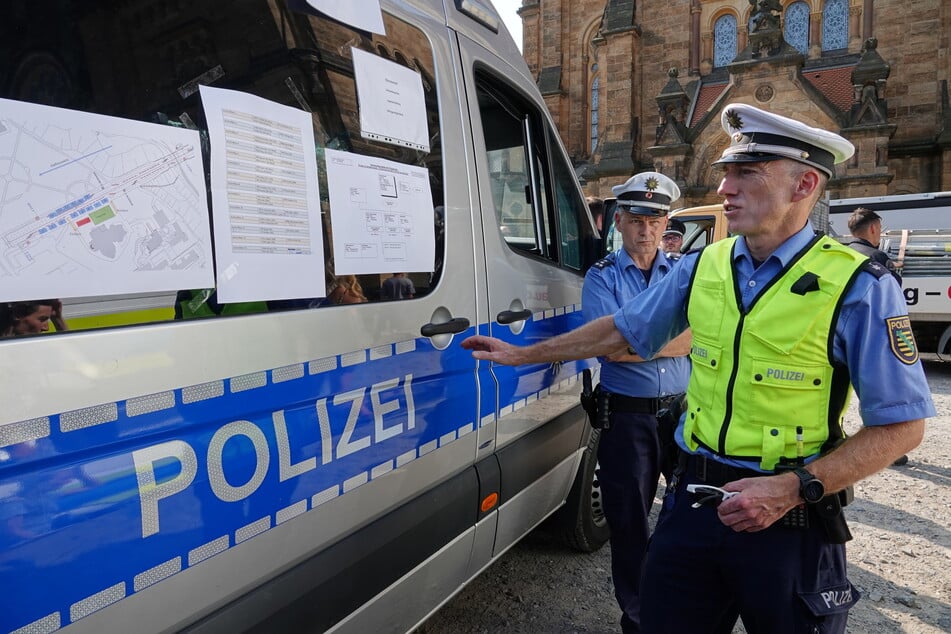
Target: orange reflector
column 490, row 501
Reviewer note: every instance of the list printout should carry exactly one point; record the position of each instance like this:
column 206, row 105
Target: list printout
column 94, row 205
column 382, row 215
column 265, row 198
column 392, row 101
column 360, row 14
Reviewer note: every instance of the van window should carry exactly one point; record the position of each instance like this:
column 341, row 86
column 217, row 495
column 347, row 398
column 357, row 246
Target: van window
column 538, row 208
column 570, row 209
column 260, row 47
column 699, row 231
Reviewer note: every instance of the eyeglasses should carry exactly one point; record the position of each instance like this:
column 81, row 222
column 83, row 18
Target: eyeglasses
column 704, row 495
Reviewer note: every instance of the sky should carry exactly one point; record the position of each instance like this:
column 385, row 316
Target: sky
column 507, row 9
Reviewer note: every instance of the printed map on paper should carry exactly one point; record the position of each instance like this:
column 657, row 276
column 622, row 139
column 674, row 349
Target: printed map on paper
column 96, row 205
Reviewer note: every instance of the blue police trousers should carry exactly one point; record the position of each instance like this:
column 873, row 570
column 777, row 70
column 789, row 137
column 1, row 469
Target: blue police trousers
column 700, row 575
column 629, row 461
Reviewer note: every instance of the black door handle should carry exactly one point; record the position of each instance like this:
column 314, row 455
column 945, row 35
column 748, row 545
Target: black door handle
column 511, row 316
column 453, row 326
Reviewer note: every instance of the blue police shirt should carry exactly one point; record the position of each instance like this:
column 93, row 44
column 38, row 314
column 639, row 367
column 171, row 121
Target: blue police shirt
column 608, row 288
column 889, row 391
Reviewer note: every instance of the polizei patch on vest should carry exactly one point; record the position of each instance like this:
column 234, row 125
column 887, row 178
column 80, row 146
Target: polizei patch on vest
column 901, row 339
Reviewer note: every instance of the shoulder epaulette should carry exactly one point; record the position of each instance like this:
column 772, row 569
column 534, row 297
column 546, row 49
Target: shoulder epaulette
column 603, row 262
column 875, row 268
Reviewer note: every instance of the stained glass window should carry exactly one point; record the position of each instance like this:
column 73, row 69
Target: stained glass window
column 835, row 25
column 724, row 41
column 796, row 27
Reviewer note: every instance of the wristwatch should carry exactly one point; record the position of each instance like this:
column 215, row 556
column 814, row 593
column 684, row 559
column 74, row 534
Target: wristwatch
column 811, row 488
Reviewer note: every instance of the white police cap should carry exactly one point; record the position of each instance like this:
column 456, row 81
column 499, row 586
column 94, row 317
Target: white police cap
column 757, row 135
column 646, row 194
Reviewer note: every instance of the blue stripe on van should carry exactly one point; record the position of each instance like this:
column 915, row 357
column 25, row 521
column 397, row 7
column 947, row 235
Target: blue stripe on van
column 77, row 530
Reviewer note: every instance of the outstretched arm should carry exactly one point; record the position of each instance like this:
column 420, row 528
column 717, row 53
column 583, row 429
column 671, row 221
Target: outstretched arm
column 597, row 338
column 679, row 346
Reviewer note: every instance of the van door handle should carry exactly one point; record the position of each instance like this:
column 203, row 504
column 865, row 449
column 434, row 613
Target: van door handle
column 453, row 326
column 511, row 316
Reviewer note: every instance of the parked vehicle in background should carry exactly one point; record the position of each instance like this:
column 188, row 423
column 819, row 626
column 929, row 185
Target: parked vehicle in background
column 705, row 224
column 916, row 235
column 214, row 446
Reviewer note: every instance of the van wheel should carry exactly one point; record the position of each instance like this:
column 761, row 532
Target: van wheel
column 580, row 523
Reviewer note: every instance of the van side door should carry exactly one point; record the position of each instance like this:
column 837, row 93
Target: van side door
column 538, row 239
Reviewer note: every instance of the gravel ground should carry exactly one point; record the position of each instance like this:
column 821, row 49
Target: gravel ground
column 900, row 557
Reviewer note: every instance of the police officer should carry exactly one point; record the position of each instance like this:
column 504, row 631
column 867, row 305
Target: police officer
column 633, row 390
column 783, row 321
column 866, row 228
column 673, row 239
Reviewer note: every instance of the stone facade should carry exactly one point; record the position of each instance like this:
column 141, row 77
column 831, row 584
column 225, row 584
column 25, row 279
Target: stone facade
column 660, row 91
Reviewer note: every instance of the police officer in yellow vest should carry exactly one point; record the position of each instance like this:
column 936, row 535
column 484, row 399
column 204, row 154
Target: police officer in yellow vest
column 784, row 321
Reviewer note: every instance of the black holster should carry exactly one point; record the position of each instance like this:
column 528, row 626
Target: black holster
column 829, row 509
column 595, row 402
column 667, row 421
column 832, row 518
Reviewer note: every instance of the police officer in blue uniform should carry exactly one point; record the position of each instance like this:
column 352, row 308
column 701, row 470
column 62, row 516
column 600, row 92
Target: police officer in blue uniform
column 673, row 239
column 634, row 391
column 783, row 321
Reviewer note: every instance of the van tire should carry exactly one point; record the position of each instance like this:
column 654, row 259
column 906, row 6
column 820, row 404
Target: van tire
column 580, row 524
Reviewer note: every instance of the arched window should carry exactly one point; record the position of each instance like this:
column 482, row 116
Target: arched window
column 796, row 27
column 724, row 41
column 595, row 105
column 835, row 25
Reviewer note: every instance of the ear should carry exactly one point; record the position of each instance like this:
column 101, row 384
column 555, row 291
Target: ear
column 805, row 184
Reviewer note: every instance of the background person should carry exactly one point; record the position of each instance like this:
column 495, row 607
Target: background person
column 346, row 289
column 596, row 206
column 783, row 320
column 633, row 390
column 30, row 318
column 673, row 239
column 398, row 287
column 866, row 228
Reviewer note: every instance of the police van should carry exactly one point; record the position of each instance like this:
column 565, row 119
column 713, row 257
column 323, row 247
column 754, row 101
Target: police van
column 238, row 428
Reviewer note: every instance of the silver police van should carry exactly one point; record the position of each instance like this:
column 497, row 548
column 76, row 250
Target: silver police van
column 240, row 243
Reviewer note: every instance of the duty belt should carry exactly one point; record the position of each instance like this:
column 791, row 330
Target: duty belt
column 638, row 405
column 827, row 512
column 710, row 471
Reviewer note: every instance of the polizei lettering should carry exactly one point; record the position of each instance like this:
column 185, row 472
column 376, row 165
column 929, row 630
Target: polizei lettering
column 785, row 375
column 239, row 457
column 837, row 598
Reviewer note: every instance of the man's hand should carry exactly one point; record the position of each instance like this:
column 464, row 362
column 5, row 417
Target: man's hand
column 760, row 503
column 492, row 349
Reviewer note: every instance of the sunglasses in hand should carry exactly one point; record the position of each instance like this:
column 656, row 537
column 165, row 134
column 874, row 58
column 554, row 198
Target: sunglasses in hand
column 706, row 495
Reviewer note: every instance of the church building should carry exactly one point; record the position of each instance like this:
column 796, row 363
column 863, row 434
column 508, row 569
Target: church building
column 640, row 84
